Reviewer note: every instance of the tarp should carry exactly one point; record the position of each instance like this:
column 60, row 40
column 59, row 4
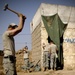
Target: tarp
column 55, row 29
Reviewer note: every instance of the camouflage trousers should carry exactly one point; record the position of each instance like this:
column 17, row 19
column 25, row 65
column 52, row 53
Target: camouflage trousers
column 26, row 60
column 46, row 59
column 9, row 66
column 53, row 61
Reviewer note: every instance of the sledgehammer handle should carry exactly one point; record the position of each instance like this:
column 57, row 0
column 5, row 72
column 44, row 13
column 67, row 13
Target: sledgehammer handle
column 12, row 11
column 15, row 12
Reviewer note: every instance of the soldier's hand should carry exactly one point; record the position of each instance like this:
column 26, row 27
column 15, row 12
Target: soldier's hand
column 21, row 15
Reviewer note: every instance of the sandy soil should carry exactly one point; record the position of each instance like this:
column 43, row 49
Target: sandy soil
column 60, row 72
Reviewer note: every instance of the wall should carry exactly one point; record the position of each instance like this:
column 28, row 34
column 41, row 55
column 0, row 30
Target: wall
column 67, row 15
column 69, row 48
column 36, row 44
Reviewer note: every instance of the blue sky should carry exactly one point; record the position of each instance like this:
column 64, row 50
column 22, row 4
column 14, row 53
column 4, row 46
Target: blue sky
column 28, row 8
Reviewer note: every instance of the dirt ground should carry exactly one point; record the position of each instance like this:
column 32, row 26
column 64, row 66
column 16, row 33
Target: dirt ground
column 59, row 72
column 20, row 62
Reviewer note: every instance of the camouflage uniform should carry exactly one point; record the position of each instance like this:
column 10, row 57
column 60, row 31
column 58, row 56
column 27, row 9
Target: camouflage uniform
column 9, row 60
column 46, row 57
column 26, row 58
column 53, row 49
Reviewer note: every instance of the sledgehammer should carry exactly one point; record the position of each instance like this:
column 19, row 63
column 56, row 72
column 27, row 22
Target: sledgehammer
column 6, row 7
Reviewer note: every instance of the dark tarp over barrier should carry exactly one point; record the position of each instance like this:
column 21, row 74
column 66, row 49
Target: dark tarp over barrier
column 55, row 29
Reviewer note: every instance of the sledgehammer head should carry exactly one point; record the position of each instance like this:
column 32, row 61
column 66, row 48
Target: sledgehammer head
column 5, row 7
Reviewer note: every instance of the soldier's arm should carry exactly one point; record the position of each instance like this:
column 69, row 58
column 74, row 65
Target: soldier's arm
column 20, row 25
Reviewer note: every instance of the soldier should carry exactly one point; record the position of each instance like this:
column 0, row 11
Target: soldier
column 9, row 59
column 46, row 57
column 53, row 55
column 26, row 57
